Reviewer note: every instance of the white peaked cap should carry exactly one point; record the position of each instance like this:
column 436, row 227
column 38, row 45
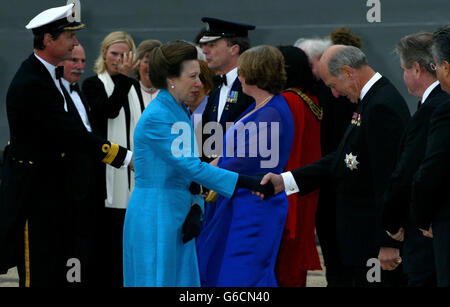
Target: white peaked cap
column 50, row 15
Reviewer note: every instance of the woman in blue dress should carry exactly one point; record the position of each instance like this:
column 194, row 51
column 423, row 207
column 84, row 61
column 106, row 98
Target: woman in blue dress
column 239, row 242
column 158, row 249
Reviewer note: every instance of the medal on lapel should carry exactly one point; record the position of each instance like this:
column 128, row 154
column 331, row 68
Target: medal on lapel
column 351, row 162
column 232, row 97
column 356, row 119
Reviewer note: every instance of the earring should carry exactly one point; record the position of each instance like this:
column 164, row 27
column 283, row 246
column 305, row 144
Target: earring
column 172, row 86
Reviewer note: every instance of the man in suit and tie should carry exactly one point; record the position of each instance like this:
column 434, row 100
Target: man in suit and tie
column 46, row 135
column 430, row 205
column 417, row 252
column 222, row 43
column 360, row 167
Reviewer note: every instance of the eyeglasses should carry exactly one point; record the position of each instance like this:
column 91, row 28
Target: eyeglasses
column 433, row 66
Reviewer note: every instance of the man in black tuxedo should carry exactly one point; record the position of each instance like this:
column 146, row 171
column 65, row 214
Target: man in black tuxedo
column 430, row 207
column 417, row 252
column 84, row 190
column 222, row 43
column 39, row 179
column 360, row 167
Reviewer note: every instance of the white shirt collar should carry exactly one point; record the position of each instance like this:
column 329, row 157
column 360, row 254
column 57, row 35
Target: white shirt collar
column 231, row 76
column 50, row 67
column 428, row 90
column 377, row 76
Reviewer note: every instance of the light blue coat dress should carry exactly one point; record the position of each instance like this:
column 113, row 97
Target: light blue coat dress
column 165, row 166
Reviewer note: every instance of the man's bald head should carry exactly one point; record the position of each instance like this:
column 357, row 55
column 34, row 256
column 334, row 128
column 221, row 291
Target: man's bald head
column 344, row 70
column 337, row 56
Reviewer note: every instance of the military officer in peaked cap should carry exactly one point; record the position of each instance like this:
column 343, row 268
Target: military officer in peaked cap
column 222, row 43
column 44, row 134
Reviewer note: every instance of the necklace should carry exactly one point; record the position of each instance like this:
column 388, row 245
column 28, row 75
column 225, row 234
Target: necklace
column 259, row 106
column 263, row 103
column 150, row 90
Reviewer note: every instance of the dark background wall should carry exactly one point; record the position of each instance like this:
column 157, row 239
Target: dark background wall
column 277, row 22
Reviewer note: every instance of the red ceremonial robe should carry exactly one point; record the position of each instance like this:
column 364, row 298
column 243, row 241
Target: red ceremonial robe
column 298, row 252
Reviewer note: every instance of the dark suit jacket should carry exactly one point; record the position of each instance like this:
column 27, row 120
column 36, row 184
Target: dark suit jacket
column 235, row 109
column 411, row 153
column 43, row 137
column 417, row 249
column 337, row 114
column 430, row 196
column 384, row 115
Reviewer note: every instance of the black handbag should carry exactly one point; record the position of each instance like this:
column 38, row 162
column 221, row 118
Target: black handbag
column 193, row 223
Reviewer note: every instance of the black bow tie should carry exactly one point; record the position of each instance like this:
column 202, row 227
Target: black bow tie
column 75, row 87
column 220, row 79
column 59, row 70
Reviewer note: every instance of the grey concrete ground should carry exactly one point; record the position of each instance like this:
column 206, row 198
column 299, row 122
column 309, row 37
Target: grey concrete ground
column 315, row 278
column 10, row 280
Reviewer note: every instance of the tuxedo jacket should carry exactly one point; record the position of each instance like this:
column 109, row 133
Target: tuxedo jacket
column 372, row 139
column 43, row 140
column 417, row 250
column 231, row 112
column 430, row 198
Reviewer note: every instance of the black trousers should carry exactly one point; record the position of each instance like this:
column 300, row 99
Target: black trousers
column 326, row 233
column 112, row 247
column 441, row 244
column 42, row 260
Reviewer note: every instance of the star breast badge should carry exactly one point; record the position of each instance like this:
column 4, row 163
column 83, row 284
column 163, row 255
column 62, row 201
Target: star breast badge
column 351, row 161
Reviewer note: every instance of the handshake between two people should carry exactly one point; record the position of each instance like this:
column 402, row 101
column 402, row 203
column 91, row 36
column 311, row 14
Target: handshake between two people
column 264, row 186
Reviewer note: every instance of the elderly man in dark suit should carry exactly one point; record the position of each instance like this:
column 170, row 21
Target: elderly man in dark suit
column 417, row 253
column 430, row 208
column 360, row 167
column 45, row 136
column 84, row 190
column 222, row 43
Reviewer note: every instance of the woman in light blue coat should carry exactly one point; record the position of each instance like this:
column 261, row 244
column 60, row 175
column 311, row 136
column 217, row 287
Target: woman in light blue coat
column 165, row 166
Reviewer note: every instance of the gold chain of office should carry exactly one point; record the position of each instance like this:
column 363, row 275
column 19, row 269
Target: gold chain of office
column 315, row 109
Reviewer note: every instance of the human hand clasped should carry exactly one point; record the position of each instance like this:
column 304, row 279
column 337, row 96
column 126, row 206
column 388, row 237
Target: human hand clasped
column 253, row 183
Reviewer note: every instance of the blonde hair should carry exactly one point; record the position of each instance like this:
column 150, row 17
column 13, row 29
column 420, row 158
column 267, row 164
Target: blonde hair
column 111, row 39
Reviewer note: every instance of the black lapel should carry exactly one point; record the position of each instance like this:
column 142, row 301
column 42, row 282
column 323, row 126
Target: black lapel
column 434, row 92
column 230, row 102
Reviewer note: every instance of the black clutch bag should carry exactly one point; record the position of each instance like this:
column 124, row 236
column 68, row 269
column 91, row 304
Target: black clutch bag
column 193, row 222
